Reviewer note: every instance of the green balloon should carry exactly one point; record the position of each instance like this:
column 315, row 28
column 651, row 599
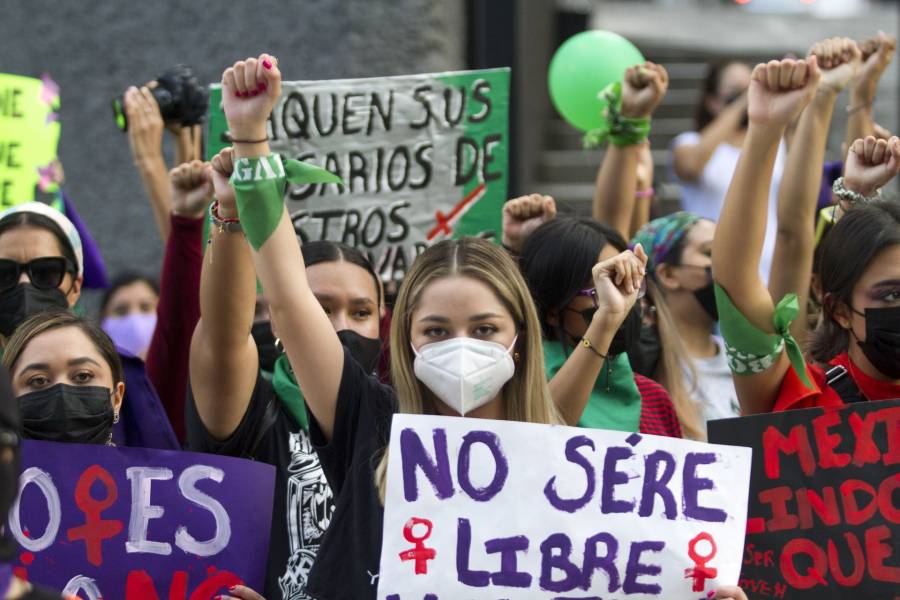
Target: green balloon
column 585, row 64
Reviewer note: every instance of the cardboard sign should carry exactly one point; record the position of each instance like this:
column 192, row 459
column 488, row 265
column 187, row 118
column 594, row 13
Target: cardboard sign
column 29, row 134
column 140, row 524
column 490, row 510
column 423, row 158
column 824, row 501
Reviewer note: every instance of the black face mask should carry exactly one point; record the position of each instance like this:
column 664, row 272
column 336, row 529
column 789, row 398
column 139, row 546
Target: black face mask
column 68, row 413
column 882, row 345
column 265, row 345
column 649, row 352
column 24, row 300
column 628, row 334
column 365, row 351
column 706, row 296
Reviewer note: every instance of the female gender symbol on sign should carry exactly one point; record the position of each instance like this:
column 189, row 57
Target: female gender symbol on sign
column 419, row 553
column 700, row 572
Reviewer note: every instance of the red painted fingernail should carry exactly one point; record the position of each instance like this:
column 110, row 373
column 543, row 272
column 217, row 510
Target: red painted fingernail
column 239, row 93
column 267, row 64
column 232, row 588
column 262, row 87
column 254, row 93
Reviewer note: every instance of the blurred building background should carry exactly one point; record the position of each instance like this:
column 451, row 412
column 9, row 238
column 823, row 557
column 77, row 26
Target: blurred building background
column 94, row 50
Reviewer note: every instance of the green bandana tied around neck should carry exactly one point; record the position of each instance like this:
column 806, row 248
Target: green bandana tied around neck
column 615, row 402
column 750, row 350
column 619, row 130
column 259, row 185
column 288, row 391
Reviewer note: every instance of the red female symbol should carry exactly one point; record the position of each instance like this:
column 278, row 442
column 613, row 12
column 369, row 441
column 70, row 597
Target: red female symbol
column 700, row 572
column 420, row 553
column 95, row 529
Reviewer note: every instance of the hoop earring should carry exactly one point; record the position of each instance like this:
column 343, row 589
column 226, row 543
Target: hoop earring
column 115, row 418
column 279, row 346
column 516, row 357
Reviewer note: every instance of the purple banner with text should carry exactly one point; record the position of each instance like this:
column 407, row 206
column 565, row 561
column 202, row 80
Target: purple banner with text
column 138, row 524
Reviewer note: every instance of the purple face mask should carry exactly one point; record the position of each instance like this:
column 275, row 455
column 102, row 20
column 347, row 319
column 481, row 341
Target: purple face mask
column 131, row 332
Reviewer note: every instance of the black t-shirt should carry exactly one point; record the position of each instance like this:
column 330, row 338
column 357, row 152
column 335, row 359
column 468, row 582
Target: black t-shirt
column 350, row 553
column 303, row 501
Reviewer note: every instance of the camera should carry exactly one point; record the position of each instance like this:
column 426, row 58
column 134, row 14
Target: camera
column 182, row 99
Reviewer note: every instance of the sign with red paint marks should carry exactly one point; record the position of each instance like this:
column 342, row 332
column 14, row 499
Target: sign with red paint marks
column 496, row 510
column 423, row 158
column 824, row 508
column 137, row 524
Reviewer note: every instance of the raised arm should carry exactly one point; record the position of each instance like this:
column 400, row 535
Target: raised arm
column 249, row 90
column 224, row 362
column 778, row 92
column 168, row 357
column 689, row 160
column 614, row 192
column 876, row 54
column 871, row 164
column 617, row 281
column 145, row 133
column 798, row 193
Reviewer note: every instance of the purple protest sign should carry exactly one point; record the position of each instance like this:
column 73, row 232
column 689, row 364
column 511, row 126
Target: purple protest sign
column 140, row 524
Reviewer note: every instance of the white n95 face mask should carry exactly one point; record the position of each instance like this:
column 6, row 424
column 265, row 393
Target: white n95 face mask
column 465, row 373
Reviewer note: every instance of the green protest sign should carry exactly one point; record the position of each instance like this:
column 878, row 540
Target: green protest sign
column 29, row 134
column 422, row 157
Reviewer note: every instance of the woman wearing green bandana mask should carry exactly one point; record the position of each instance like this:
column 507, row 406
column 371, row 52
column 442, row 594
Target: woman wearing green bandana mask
column 237, row 411
column 855, row 346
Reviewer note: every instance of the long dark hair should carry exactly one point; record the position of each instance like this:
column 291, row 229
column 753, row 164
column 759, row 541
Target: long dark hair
column 557, row 260
column 322, row 251
column 28, row 219
column 702, row 116
column 842, row 258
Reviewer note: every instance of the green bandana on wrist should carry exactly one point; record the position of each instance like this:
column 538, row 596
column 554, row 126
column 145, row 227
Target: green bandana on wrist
column 751, row 350
column 619, row 130
column 259, row 185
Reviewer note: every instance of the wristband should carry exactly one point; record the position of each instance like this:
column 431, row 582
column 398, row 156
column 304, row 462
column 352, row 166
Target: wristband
column 751, row 350
column 259, row 184
column 849, row 195
column 619, row 130
column 223, row 225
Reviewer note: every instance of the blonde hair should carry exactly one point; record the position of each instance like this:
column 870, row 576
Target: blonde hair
column 675, row 371
column 527, row 395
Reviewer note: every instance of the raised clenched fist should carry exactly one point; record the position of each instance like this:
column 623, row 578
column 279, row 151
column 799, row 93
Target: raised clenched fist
column 222, row 165
column 780, row 89
column 522, row 215
column 839, row 60
column 250, row 89
column 192, row 189
column 643, row 89
column 871, row 163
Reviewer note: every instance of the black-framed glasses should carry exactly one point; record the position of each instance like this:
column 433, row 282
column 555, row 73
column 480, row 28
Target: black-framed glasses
column 45, row 273
column 588, row 313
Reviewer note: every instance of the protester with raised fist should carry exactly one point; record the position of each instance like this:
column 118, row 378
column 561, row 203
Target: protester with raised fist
column 704, row 160
column 179, row 304
column 621, row 201
column 855, row 345
column 458, row 296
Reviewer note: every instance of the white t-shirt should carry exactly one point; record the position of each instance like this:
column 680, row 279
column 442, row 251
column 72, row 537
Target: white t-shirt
column 706, row 195
column 714, row 392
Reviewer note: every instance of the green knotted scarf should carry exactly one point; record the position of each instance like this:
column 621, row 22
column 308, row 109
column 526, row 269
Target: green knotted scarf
column 288, row 391
column 617, row 128
column 615, row 401
column 259, row 185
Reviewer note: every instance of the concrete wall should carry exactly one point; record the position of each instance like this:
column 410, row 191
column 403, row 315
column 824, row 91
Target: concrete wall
column 94, row 50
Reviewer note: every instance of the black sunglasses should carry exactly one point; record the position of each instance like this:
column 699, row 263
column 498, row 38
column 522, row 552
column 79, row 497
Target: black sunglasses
column 45, row 273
